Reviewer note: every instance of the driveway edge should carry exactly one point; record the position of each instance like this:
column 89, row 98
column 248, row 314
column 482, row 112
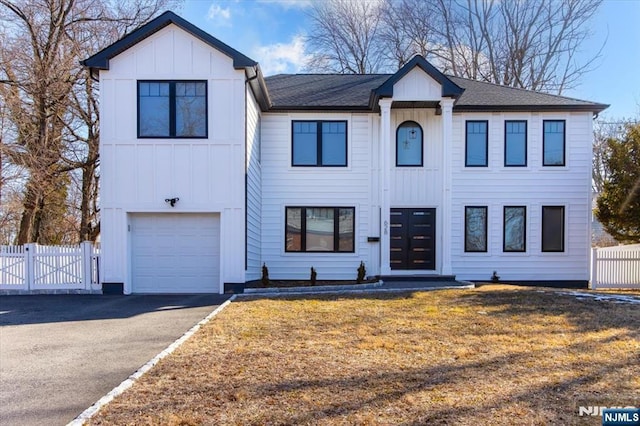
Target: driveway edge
column 127, row 383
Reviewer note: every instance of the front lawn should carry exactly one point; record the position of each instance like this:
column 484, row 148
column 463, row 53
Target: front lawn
column 492, row 355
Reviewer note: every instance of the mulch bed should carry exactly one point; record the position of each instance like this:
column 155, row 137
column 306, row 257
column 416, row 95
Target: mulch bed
column 304, row 283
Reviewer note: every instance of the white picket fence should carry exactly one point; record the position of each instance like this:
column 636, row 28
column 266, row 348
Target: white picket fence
column 36, row 268
column 615, row 267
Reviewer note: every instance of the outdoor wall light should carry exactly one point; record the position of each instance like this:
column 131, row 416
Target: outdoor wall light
column 172, row 201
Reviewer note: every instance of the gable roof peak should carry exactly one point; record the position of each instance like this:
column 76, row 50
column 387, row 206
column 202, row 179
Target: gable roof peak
column 100, row 60
column 449, row 88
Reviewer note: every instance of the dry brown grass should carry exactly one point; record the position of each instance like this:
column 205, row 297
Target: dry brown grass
column 494, row 355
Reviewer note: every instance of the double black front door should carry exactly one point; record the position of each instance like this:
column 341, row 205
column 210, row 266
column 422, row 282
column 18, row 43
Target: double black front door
column 413, row 239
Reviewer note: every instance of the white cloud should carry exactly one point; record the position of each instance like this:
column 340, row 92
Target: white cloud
column 220, row 15
column 289, row 4
column 280, row 58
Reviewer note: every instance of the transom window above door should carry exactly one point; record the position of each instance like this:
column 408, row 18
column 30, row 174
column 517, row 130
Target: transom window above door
column 172, row 109
column 409, row 145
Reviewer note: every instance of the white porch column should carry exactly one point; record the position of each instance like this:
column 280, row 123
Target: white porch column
column 385, row 161
column 445, row 217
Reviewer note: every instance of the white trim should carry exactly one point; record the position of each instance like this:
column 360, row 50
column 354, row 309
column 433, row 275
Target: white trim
column 385, row 159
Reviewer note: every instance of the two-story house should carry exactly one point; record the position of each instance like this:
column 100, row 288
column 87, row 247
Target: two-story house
column 209, row 170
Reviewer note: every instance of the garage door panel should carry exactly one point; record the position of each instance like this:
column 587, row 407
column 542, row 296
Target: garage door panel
column 175, row 253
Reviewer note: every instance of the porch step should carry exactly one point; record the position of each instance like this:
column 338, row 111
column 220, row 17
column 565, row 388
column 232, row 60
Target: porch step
column 417, row 278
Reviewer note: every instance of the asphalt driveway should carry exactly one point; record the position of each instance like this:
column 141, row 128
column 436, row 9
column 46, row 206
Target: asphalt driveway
column 61, row 353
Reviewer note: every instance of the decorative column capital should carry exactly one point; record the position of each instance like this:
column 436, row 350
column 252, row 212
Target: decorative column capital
column 385, row 104
column 446, row 103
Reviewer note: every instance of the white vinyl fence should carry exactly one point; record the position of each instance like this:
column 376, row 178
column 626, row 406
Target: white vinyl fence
column 36, row 268
column 615, row 267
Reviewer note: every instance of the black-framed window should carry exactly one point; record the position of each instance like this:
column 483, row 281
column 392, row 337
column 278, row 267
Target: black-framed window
column 320, row 229
column 553, row 141
column 409, row 143
column 319, row 143
column 515, row 143
column 476, row 143
column 514, row 229
column 172, row 109
column 553, row 228
column 475, row 229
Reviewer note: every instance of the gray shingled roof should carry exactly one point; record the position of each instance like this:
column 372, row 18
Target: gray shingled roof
column 324, row 91
column 354, row 92
column 480, row 95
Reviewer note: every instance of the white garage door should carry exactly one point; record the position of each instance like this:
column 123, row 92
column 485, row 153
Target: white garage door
column 175, row 253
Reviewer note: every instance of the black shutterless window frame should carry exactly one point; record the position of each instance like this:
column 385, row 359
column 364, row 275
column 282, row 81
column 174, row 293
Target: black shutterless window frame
column 319, row 124
column 408, row 123
column 506, row 142
column 172, row 109
column 486, row 143
column 564, row 143
column 336, row 229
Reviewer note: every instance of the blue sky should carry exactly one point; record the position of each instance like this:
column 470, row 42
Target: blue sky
column 272, row 32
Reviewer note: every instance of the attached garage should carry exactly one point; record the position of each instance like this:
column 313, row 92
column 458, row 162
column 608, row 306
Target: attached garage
column 175, row 253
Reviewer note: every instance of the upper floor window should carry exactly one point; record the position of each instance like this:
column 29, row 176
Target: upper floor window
column 476, row 147
column 515, row 143
column 553, row 141
column 320, row 229
column 172, row 109
column 409, row 144
column 319, row 143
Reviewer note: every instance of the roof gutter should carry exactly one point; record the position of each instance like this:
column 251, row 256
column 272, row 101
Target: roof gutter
column 258, row 86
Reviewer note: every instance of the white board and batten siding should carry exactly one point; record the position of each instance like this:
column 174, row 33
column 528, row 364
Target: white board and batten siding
column 532, row 186
column 416, row 85
column 284, row 185
column 207, row 175
column 418, row 186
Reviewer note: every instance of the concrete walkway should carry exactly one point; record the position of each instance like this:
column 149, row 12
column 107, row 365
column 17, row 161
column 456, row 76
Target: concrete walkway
column 59, row 354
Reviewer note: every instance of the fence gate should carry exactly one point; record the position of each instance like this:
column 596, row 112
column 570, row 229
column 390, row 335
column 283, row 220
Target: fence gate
column 13, row 268
column 35, row 267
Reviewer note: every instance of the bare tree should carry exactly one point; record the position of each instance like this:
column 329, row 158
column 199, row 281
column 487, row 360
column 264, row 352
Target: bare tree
column 51, row 103
column 408, row 29
column 529, row 44
column 345, row 36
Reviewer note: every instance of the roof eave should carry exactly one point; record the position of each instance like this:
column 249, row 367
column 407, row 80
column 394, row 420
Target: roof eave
column 320, row 108
column 594, row 108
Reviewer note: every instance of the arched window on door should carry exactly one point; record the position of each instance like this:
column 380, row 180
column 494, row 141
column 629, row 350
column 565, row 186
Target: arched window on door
column 409, row 145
